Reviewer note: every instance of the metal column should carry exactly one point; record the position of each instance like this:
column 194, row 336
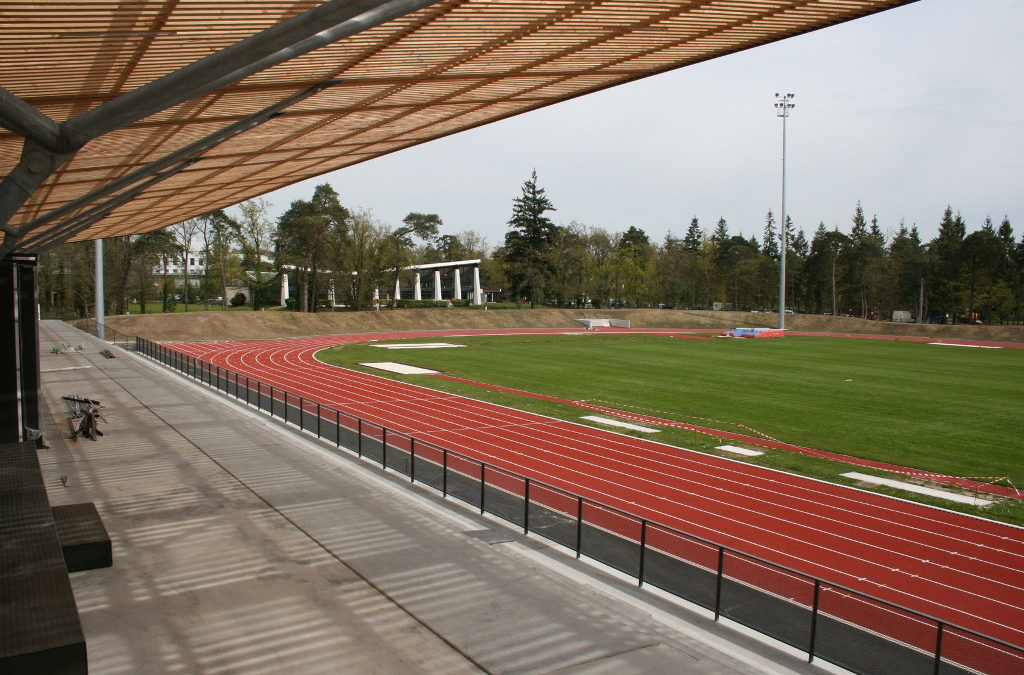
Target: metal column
column 19, row 364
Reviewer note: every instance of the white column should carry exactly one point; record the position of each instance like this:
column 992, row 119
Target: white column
column 477, row 294
column 437, row 284
column 417, row 293
column 458, row 285
column 284, row 289
column 398, row 289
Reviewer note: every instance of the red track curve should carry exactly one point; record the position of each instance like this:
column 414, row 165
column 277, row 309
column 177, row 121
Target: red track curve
column 957, row 568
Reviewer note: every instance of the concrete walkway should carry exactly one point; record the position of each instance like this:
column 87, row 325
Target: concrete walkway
column 244, row 546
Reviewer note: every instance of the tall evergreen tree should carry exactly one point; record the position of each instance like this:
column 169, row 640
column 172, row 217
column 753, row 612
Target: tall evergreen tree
column 947, row 249
column 694, row 238
column 528, row 261
column 770, row 238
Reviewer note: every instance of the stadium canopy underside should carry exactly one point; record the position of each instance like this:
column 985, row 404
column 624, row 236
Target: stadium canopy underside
column 123, row 117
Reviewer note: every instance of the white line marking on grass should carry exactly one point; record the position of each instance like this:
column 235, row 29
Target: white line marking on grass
column 399, row 368
column 957, row 344
column 910, row 487
column 739, row 451
column 618, row 423
column 420, row 345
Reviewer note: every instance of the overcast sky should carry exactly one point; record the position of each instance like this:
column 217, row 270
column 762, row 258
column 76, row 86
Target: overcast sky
column 907, row 111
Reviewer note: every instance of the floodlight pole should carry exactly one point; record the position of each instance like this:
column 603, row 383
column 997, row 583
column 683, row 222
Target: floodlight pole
column 783, row 104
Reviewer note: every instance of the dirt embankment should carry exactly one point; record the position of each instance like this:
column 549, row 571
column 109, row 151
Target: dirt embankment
column 273, row 324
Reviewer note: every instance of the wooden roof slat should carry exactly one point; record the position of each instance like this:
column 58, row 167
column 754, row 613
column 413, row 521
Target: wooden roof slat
column 451, row 66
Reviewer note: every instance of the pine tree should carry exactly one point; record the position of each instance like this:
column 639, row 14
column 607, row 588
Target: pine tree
column 528, row 243
column 694, row 237
column 770, row 238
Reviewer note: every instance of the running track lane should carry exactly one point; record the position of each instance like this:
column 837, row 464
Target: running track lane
column 960, row 569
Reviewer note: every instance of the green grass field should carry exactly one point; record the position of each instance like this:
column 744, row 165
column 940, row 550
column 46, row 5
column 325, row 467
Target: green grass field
column 946, row 409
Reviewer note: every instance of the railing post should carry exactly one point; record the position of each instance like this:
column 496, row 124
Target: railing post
column 526, row 507
column 412, row 459
column 483, row 482
column 718, row 582
column 318, row 419
column 444, row 473
column 302, row 411
column 579, row 526
column 271, row 400
column 814, row 620
column 384, row 448
column 643, row 550
column 337, row 428
column 938, row 648
column 359, row 436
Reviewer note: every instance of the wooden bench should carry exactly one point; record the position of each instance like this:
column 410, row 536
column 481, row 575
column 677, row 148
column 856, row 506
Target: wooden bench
column 82, row 415
column 40, row 631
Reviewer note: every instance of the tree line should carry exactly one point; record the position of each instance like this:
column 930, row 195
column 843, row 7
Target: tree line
column 860, row 271
column 863, row 271
column 319, row 242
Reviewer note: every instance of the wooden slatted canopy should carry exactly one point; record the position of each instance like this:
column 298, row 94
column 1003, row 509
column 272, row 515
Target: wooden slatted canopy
column 436, row 68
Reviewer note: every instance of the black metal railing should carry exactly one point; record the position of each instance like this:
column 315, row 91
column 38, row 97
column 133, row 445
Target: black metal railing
column 828, row 621
column 104, row 332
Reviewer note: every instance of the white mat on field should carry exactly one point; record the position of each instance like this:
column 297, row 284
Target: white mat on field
column 419, row 345
column 400, row 368
column 619, row 423
column 739, row 451
column 920, row 489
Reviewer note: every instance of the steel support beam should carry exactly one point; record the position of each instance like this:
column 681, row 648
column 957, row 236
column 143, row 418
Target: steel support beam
column 293, row 37
column 94, row 214
column 60, row 233
column 27, row 122
column 301, row 34
column 35, row 166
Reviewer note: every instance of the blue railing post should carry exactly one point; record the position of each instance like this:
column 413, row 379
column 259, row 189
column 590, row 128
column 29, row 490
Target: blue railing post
column 412, row 459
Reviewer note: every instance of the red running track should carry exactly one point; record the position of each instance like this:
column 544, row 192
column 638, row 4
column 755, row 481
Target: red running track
column 963, row 570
